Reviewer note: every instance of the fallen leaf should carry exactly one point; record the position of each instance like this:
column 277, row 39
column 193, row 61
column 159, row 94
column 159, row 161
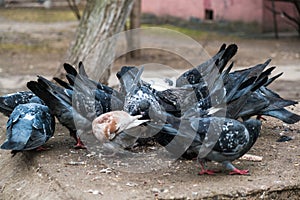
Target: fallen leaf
column 250, row 157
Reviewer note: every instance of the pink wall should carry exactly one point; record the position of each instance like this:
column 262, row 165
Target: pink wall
column 225, row 9
column 232, row 10
column 179, row 8
column 238, row 10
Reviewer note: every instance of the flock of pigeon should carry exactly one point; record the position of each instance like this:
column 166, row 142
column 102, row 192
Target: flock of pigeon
column 211, row 113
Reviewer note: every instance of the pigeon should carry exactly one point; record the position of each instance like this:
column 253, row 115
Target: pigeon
column 108, row 102
column 215, row 86
column 235, row 140
column 10, row 101
column 268, row 103
column 140, row 98
column 108, row 125
column 109, row 98
column 30, row 125
column 110, row 129
column 127, row 77
column 82, row 100
column 60, row 105
column 244, row 93
column 212, row 139
column 216, row 93
column 72, row 74
column 196, row 75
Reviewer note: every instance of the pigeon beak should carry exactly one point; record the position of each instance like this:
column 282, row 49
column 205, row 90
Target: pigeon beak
column 112, row 136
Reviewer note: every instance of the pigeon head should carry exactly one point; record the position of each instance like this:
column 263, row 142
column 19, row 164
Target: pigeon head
column 126, row 70
column 36, row 99
column 192, row 76
column 126, row 76
column 142, row 101
column 139, row 107
column 253, row 126
column 104, row 128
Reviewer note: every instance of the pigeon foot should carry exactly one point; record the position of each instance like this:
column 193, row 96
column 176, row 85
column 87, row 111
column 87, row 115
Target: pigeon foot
column 239, row 172
column 207, row 171
column 41, row 148
column 79, row 144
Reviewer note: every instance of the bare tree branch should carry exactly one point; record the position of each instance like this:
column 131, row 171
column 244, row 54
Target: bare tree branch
column 290, row 18
column 295, row 21
column 297, row 5
column 273, row 10
column 74, row 8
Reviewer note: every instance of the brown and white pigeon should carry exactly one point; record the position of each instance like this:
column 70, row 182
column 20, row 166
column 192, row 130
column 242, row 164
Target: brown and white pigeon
column 108, row 125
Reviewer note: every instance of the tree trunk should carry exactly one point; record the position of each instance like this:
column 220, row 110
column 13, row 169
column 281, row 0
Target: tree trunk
column 274, row 19
column 133, row 40
column 94, row 45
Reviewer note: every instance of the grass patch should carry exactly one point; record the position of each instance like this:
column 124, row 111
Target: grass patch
column 196, row 34
column 37, row 15
column 29, row 48
column 23, row 42
column 201, row 29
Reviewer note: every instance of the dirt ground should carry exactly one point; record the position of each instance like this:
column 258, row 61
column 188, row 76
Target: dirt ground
column 65, row 173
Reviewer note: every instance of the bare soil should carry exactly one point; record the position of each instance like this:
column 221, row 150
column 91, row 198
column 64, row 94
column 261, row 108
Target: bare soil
column 65, row 173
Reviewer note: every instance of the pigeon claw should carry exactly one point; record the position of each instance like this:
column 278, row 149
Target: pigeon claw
column 207, row 171
column 41, row 149
column 79, row 144
column 239, row 172
column 259, row 117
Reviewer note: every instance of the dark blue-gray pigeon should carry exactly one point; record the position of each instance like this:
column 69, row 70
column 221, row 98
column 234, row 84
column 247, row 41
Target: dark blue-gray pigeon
column 60, row 104
column 30, row 125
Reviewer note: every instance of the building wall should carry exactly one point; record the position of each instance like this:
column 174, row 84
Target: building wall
column 235, row 10
column 178, row 8
column 228, row 10
column 223, row 9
